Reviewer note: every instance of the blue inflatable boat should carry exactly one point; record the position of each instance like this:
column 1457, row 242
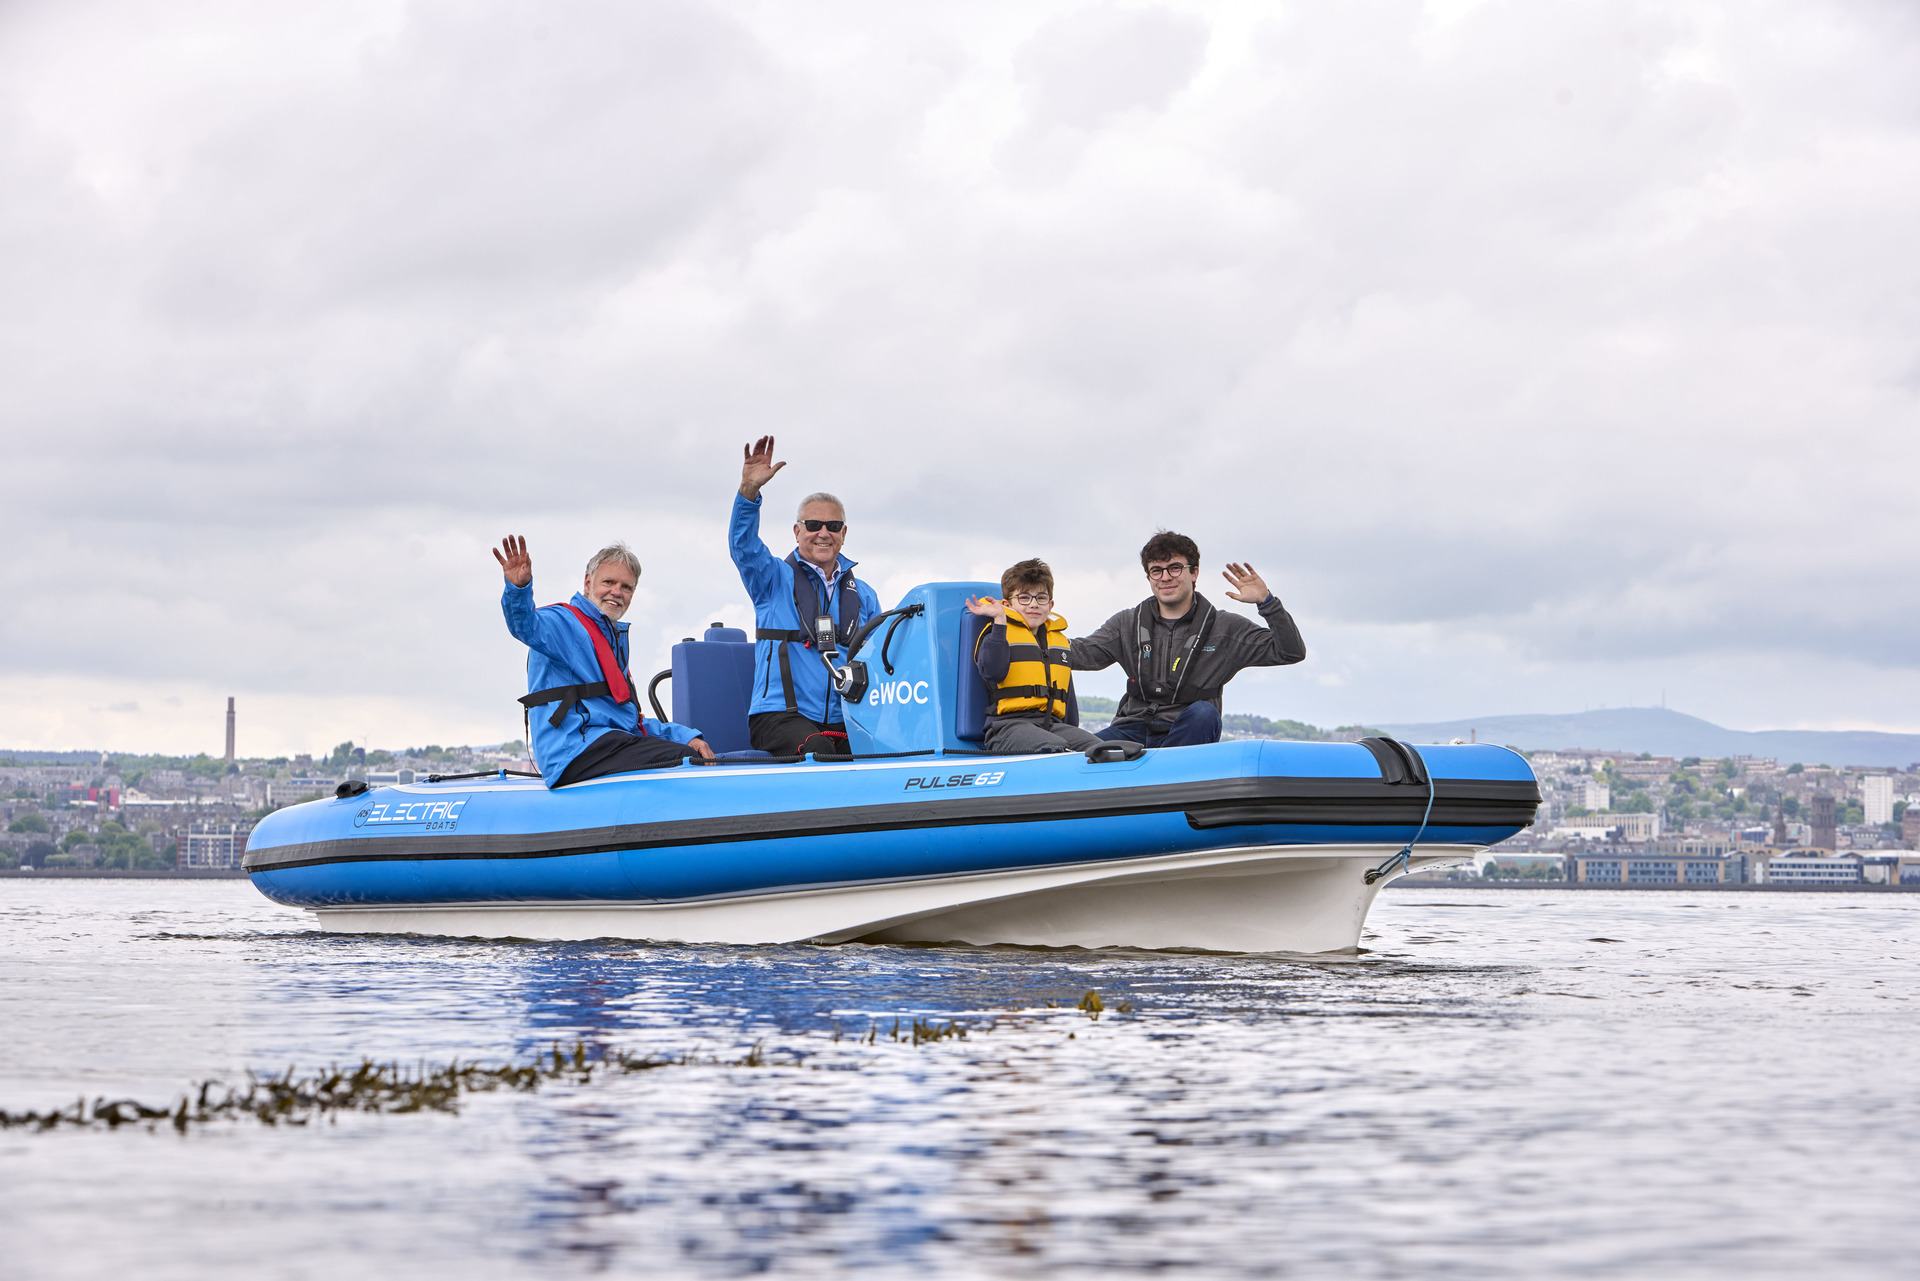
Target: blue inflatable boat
column 1236, row 846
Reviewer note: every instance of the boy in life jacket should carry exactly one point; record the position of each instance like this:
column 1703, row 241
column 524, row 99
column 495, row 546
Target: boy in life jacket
column 1022, row 655
column 577, row 664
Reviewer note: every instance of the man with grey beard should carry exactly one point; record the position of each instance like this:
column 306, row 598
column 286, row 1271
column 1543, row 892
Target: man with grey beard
column 577, row 660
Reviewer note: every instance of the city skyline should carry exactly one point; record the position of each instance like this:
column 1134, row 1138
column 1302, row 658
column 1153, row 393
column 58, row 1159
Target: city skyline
column 1494, row 730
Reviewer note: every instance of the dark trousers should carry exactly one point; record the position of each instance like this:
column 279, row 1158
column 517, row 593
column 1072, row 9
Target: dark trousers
column 618, row 752
column 791, row 734
column 1196, row 723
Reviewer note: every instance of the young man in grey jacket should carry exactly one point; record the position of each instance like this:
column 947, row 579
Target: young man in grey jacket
column 1179, row 652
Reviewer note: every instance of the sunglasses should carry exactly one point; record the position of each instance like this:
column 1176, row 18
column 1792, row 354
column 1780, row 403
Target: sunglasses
column 831, row 526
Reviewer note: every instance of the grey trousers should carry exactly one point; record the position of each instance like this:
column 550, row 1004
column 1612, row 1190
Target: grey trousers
column 1017, row 737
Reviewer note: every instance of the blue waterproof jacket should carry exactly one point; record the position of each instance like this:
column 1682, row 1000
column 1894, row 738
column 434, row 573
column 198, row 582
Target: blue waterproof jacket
column 560, row 653
column 770, row 582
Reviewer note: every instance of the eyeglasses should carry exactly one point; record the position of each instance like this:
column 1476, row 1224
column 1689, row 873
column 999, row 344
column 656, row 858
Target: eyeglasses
column 1174, row 570
column 831, row 526
column 1027, row 600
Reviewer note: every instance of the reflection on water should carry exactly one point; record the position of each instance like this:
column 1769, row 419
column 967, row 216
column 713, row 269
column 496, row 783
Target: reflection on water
column 1503, row 1085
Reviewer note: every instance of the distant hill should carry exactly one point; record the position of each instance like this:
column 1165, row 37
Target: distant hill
column 1099, row 712
column 1668, row 733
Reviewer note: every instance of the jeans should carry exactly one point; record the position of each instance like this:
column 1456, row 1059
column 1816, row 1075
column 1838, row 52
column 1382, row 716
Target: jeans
column 1196, row 723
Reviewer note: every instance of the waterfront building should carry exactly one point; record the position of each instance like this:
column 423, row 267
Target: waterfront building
column 1601, row 827
column 1623, row 867
column 1876, row 798
column 212, row 845
column 1910, row 826
column 1890, row 867
column 1813, row 867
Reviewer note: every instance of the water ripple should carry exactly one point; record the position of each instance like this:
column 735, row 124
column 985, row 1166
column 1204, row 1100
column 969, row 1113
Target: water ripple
column 1509, row 1085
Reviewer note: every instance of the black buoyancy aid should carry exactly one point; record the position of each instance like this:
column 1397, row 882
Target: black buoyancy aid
column 1137, row 662
column 613, row 683
column 1037, row 676
column 810, row 603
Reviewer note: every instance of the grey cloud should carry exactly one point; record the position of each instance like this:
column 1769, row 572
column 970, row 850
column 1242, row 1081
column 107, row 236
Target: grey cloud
column 482, row 158
column 1088, row 65
column 1577, row 339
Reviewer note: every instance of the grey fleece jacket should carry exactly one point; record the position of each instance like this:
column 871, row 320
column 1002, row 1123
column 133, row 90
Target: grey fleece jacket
column 1156, row 689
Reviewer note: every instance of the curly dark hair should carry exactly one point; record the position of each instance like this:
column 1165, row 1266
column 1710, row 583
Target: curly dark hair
column 1167, row 545
column 1029, row 574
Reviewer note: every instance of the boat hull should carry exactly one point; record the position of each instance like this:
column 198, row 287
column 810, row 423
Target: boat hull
column 1258, row 899
column 1249, row 846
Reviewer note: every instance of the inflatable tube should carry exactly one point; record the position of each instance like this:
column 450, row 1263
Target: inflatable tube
column 1268, row 840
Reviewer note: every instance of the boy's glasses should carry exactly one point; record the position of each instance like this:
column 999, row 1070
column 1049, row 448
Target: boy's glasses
column 831, row 526
column 1174, row 570
column 1027, row 600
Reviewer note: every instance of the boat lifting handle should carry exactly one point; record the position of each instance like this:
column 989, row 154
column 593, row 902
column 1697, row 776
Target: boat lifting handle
column 1118, row 750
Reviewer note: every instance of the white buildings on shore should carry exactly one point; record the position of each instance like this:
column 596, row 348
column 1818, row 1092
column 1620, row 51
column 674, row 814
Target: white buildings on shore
column 1876, row 799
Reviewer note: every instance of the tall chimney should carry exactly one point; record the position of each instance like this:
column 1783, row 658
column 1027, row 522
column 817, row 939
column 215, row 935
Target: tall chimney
column 229, row 729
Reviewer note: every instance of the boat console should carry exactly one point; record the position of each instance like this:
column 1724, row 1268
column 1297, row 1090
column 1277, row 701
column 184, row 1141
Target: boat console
column 920, row 693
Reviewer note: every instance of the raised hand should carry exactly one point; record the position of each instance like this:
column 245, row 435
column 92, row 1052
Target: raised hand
column 1244, row 584
column 986, row 607
column 515, row 563
column 757, row 467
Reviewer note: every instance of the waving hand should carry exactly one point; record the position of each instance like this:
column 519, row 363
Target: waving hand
column 515, row 563
column 757, row 467
column 1244, row 584
column 987, row 607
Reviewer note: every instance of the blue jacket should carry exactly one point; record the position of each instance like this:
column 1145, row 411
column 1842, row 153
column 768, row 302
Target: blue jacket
column 769, row 581
column 559, row 653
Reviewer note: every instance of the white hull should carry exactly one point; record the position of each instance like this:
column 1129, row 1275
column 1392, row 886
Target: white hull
column 1274, row 898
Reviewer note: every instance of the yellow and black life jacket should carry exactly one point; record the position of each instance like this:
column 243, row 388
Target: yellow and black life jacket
column 1037, row 676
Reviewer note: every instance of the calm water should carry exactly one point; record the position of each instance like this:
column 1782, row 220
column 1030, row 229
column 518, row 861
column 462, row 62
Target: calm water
column 1504, row 1085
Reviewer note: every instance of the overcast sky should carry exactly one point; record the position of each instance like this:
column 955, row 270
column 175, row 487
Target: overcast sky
column 1542, row 356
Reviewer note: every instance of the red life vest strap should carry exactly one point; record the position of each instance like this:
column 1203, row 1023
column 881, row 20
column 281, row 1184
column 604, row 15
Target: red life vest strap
column 618, row 686
column 614, row 683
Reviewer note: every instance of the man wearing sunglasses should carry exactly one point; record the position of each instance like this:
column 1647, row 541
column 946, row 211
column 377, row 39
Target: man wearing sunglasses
column 1179, row 652
column 801, row 602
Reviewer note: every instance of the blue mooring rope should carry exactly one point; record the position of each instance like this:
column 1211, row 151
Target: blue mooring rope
column 1404, row 859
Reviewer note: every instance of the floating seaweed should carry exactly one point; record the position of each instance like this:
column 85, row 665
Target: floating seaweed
column 291, row 1099
column 1093, row 1006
